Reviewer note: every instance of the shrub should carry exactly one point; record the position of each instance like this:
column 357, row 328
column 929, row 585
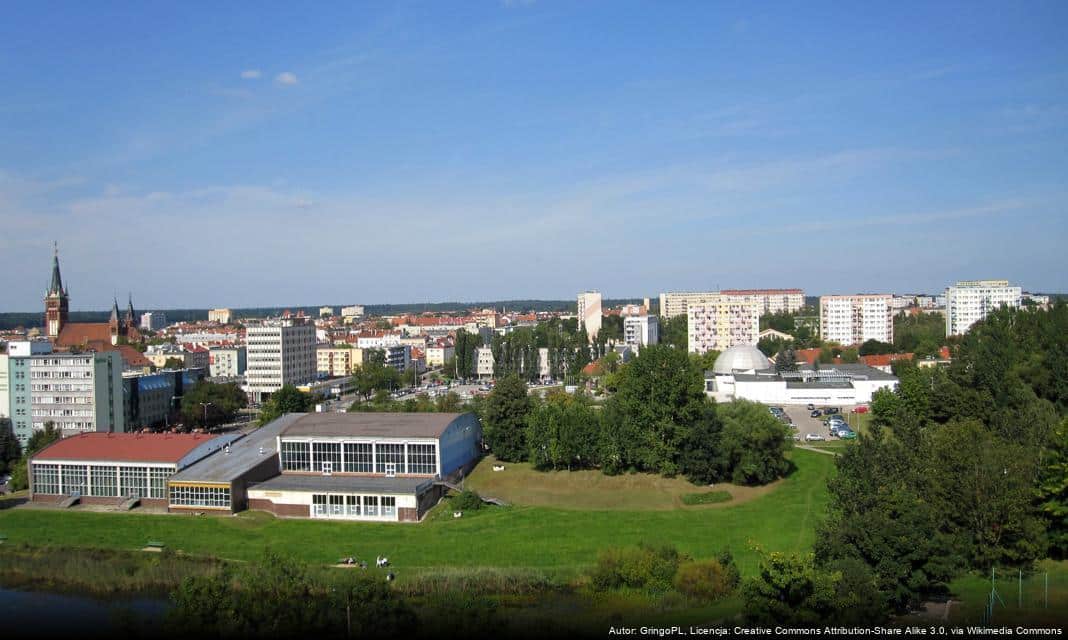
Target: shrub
column 707, row 497
column 466, row 501
column 641, row 567
column 703, row 579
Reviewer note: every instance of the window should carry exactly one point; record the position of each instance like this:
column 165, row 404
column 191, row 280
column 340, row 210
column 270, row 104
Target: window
column 389, row 454
column 319, row 505
column 389, row 506
column 45, row 478
column 103, row 481
column 337, row 506
column 326, row 453
column 157, row 482
column 296, row 456
column 133, row 481
column 422, row 458
column 352, row 506
column 358, row 457
column 74, row 477
column 370, row 505
column 200, row 496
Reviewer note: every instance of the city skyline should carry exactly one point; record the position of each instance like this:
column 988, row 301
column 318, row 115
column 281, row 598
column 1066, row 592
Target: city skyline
column 528, row 150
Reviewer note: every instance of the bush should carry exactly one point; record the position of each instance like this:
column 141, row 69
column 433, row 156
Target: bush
column 705, row 580
column 708, row 497
column 641, row 567
column 466, row 501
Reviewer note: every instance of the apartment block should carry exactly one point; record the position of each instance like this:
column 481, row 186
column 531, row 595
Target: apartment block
column 222, row 316
column 641, row 331
column 854, row 319
column 970, row 301
column 78, row 392
column 336, row 362
column 227, row 362
column 589, row 312
column 771, row 300
column 153, row 320
column 722, row 322
column 280, row 352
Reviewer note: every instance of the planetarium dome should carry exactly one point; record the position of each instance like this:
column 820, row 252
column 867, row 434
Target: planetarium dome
column 742, row 357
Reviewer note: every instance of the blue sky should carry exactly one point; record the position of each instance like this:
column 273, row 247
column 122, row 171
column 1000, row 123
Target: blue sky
column 200, row 155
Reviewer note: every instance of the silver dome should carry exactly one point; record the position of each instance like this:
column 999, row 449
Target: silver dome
column 742, row 357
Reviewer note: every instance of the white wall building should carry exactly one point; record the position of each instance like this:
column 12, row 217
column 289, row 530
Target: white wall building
column 398, row 356
column 280, row 352
column 641, row 331
column 971, row 300
column 484, row 362
column 675, row 303
column 354, row 311
column 721, row 322
column 589, row 312
column 153, row 320
column 79, row 392
column 771, row 300
column 858, row 318
column 227, row 362
column 438, row 355
column 222, row 316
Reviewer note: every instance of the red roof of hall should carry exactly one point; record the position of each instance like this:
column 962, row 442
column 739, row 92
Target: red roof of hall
column 124, row 447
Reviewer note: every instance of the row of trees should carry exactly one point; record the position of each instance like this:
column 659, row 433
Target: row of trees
column 658, row 420
column 965, row 467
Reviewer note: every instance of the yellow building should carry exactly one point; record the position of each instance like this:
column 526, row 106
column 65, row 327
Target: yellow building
column 338, row 361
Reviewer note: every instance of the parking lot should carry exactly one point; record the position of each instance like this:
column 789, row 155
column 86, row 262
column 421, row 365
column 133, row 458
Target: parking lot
column 806, row 424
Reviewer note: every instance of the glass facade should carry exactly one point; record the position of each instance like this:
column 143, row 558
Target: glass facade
column 296, row 456
column 337, row 456
column 101, row 480
column 389, row 457
column 200, row 496
column 347, row 506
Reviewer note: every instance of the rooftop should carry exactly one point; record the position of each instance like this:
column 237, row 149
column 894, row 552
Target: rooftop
column 245, row 454
column 355, row 484
column 125, row 447
column 388, row 425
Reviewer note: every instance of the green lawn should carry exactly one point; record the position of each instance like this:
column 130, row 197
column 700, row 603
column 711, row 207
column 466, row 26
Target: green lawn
column 521, row 484
column 560, row 541
column 1022, row 601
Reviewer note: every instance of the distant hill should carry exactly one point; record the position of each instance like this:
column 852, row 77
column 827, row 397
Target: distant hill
column 36, row 319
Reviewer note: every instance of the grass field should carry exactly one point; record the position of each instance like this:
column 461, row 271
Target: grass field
column 520, row 484
column 557, row 541
column 1023, row 597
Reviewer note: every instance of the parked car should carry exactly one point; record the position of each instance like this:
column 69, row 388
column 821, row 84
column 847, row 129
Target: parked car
column 797, row 437
column 811, row 407
column 815, row 413
column 813, row 437
column 861, row 409
column 829, row 410
column 847, row 435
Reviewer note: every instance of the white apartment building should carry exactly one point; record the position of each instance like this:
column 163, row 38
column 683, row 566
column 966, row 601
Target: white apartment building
column 378, row 341
column 589, row 312
column 326, row 312
column 280, row 352
column 484, row 362
column 153, row 320
column 544, row 370
column 79, row 392
column 227, row 362
column 336, row 362
column 771, row 300
column 854, row 319
column 721, row 323
column 354, row 311
column 641, row 331
column 971, row 300
column 222, row 316
column 398, row 356
column 675, row 303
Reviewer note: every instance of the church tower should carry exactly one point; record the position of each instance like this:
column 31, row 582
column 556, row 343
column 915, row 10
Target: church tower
column 129, row 321
column 56, row 300
column 114, row 323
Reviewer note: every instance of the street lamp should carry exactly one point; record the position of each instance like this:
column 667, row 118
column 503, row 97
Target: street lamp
column 205, row 405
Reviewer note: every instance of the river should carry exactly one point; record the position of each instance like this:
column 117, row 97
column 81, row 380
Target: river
column 38, row 614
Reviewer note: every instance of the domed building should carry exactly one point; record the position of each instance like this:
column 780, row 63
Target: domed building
column 744, row 372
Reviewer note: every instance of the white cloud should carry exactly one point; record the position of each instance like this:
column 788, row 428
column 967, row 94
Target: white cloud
column 251, row 74
column 286, row 78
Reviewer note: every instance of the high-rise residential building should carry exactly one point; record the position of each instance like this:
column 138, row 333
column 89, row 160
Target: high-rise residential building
column 227, row 362
column 855, row 319
column 771, row 300
column 338, row 361
column 398, row 356
column 589, row 312
column 484, row 363
column 153, row 320
column 222, row 316
column 641, row 331
column 970, row 301
column 325, row 312
column 721, row 322
column 78, row 392
column 675, row 303
column 280, row 352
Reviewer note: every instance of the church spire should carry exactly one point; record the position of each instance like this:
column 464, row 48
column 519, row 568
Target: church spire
column 115, row 311
column 56, row 287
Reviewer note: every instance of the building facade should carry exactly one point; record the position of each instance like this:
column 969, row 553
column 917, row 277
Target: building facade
column 78, row 392
column 363, row 466
column 855, row 319
column 589, row 313
column 153, row 320
column 771, row 300
column 353, row 311
column 279, row 352
column 438, row 355
column 334, row 362
column 222, row 316
column 641, row 331
column 721, row 322
column 227, row 362
column 970, row 301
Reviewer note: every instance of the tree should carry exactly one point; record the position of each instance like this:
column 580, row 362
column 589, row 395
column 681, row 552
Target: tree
column 700, row 458
column 174, row 363
column 752, row 444
column 10, row 451
column 1053, row 489
column 660, row 398
column 374, row 376
column 786, row 360
column 288, row 399
column 674, row 332
column 208, row 404
column 20, row 476
column 873, row 347
column 562, row 432
column 504, row 419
